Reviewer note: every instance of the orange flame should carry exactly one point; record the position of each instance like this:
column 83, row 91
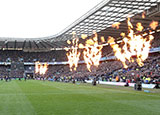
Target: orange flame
column 41, row 68
column 139, row 27
column 143, row 14
column 89, row 42
column 37, row 66
column 122, row 34
column 83, row 36
column 116, row 25
column 133, row 45
column 153, row 24
column 81, row 46
column 102, row 39
column 92, row 52
column 73, row 54
column 68, row 41
column 117, row 51
column 129, row 23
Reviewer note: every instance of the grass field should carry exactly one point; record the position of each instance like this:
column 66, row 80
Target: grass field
column 50, row 98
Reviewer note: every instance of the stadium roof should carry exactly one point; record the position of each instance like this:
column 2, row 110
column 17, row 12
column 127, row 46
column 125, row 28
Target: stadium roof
column 100, row 18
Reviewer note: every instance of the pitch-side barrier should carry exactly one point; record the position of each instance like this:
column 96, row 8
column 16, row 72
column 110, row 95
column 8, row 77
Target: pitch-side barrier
column 149, row 86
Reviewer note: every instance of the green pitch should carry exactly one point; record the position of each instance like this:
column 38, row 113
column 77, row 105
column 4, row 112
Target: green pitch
column 50, row 98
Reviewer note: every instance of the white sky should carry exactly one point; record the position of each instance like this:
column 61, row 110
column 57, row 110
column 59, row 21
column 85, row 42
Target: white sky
column 40, row 18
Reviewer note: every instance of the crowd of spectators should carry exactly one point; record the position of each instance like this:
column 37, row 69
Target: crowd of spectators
column 108, row 70
column 15, row 56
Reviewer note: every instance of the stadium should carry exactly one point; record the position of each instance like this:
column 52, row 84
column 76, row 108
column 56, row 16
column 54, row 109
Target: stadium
column 105, row 62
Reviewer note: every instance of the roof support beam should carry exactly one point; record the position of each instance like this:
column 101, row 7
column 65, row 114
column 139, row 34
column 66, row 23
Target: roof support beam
column 48, row 43
column 15, row 44
column 42, row 44
column 36, row 44
column 30, row 44
column 23, row 46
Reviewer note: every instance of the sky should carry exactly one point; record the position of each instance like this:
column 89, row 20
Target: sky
column 40, row 18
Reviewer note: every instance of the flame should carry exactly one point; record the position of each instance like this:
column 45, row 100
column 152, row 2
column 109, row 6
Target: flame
column 116, row 25
column 139, row 27
column 68, row 41
column 83, row 36
column 153, row 24
column 92, row 52
column 89, row 42
column 41, row 68
column 122, row 34
column 37, row 66
column 132, row 45
column 117, row 51
column 66, row 49
column 143, row 14
column 81, row 46
column 102, row 39
column 73, row 54
column 129, row 23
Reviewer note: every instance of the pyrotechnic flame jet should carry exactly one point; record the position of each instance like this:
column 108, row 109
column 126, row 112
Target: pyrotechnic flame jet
column 133, row 44
column 73, row 53
column 41, row 68
column 92, row 51
column 37, row 67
